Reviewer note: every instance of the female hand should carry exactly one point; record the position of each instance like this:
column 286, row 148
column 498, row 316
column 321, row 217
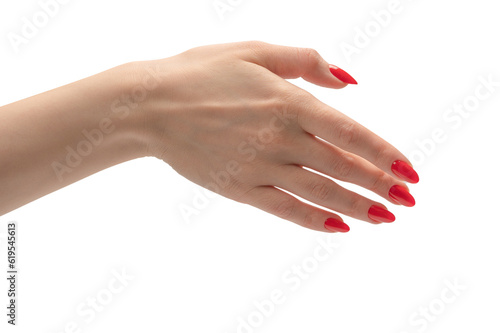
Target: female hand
column 225, row 118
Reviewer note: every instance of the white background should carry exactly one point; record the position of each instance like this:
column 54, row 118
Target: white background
column 204, row 275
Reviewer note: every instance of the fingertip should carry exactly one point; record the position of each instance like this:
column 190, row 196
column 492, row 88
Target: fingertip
column 401, row 195
column 405, row 171
column 379, row 213
column 340, row 85
column 336, row 225
column 342, row 75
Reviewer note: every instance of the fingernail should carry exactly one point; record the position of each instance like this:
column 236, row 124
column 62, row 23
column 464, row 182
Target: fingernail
column 401, row 195
column 404, row 171
column 380, row 214
column 336, row 225
column 342, row 75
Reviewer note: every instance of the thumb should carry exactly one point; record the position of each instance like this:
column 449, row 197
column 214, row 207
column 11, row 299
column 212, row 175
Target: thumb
column 293, row 62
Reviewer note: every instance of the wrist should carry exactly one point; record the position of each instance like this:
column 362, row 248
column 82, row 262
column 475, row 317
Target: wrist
column 152, row 97
column 141, row 104
column 131, row 98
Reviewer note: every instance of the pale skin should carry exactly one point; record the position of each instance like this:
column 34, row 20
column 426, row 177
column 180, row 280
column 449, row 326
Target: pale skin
column 215, row 111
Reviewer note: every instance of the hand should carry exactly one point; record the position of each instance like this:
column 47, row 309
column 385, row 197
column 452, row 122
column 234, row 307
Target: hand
column 225, row 118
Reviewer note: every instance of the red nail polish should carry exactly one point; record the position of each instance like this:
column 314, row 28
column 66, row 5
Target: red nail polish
column 401, row 195
column 336, row 225
column 380, row 214
column 404, row 171
column 342, row 75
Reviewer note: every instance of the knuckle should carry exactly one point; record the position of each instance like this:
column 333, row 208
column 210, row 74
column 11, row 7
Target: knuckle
column 254, row 49
column 284, row 106
column 378, row 181
column 294, row 104
column 354, row 205
column 231, row 187
column 349, row 134
column 308, row 221
column 380, row 156
column 244, row 194
column 286, row 96
column 254, row 44
column 320, row 191
column 284, row 209
column 312, row 56
column 343, row 167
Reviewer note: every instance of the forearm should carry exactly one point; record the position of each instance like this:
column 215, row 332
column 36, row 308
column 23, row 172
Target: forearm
column 58, row 137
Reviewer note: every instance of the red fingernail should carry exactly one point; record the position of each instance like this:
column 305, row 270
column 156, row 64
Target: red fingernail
column 401, row 195
column 380, row 214
column 336, row 225
column 342, row 75
column 404, row 171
